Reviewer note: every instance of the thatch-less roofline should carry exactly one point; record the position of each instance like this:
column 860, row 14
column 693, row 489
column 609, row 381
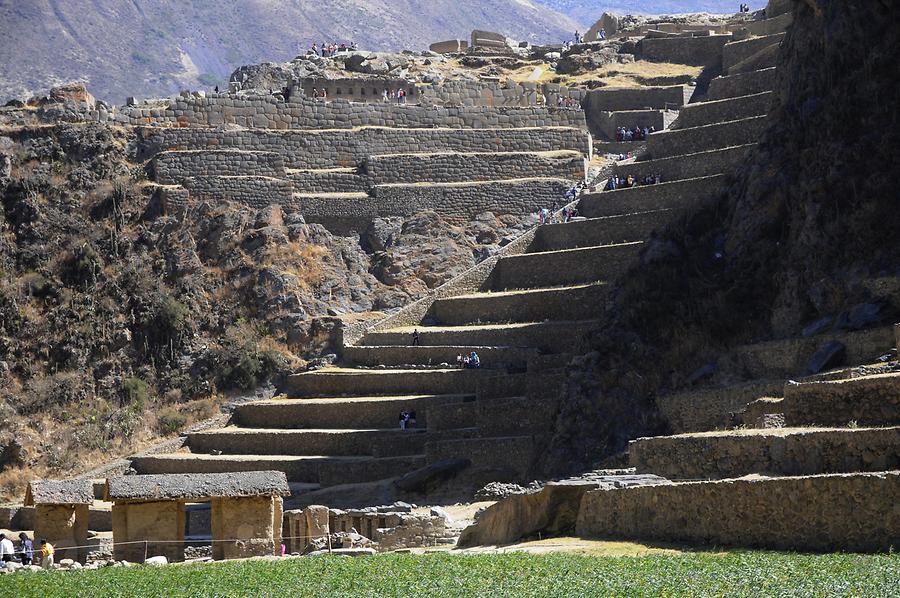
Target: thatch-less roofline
column 196, row 486
column 59, row 492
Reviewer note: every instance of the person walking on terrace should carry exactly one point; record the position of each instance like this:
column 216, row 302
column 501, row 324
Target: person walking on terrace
column 415, row 337
column 26, row 548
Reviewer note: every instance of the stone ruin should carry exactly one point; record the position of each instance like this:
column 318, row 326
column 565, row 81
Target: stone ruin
column 61, row 515
column 382, row 529
column 149, row 513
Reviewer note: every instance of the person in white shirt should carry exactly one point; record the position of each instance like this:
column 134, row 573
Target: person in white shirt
column 6, row 549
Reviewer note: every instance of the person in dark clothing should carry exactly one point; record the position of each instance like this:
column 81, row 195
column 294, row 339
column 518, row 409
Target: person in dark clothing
column 26, row 548
column 416, row 337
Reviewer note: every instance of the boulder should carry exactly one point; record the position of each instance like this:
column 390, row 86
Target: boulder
column 157, row 561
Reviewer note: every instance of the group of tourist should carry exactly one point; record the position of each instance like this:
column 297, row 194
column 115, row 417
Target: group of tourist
column 744, row 8
column 469, row 361
column 328, row 50
column 398, row 95
column 635, row 134
column 619, row 182
column 320, row 96
column 25, row 552
column 567, row 102
column 407, row 419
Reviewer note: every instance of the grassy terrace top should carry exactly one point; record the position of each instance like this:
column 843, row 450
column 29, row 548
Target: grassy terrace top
column 511, row 574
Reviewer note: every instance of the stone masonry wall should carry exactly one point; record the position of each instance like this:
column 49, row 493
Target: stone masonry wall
column 457, row 202
column 420, row 168
column 495, row 94
column 771, row 513
column 171, row 168
column 702, row 51
column 256, row 192
column 742, row 84
column 343, row 148
column 265, row 112
column 784, row 451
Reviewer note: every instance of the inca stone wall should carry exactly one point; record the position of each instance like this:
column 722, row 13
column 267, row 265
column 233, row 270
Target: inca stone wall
column 342, row 148
column 771, row 513
column 256, row 192
column 618, row 99
column 742, row 84
column 701, row 51
column 170, row 168
column 457, row 202
column 495, row 94
column 328, row 181
column 420, row 168
column 265, row 112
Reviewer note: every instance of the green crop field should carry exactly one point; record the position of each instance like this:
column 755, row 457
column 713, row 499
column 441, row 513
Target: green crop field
column 511, row 574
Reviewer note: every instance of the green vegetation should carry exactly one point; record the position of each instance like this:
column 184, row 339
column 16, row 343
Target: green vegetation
column 141, row 58
column 512, row 574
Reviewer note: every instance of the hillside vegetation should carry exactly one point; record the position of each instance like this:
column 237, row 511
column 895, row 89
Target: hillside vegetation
column 154, row 48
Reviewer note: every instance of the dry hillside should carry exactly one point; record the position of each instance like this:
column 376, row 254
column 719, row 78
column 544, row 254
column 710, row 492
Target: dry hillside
column 153, row 48
column 586, row 12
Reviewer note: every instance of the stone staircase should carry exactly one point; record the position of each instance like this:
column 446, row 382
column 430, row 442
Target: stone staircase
column 816, row 468
column 525, row 318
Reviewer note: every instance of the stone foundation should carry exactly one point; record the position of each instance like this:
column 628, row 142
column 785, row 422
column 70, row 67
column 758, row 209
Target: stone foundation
column 853, row 512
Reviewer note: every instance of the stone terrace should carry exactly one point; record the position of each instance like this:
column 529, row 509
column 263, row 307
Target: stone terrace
column 342, row 164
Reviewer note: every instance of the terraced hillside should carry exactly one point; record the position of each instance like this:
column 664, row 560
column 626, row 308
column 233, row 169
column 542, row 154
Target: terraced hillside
column 523, row 312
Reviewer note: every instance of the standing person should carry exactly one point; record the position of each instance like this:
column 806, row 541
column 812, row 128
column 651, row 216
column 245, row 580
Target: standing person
column 324, row 95
column 47, row 553
column 314, row 49
column 316, row 93
column 7, row 550
column 602, row 34
column 415, row 337
column 26, row 548
column 384, row 96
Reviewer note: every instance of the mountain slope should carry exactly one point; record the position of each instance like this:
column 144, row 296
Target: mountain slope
column 586, row 12
column 156, row 47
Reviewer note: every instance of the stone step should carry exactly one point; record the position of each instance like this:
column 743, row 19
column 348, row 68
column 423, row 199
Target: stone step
column 564, row 267
column 329, row 180
column 717, row 111
column 742, row 84
column 338, row 443
column 324, row 470
column 824, row 513
column 549, row 337
column 688, row 166
column 331, row 382
column 679, row 142
column 594, row 232
column 683, row 194
column 713, row 408
column 785, row 358
column 778, row 451
column 867, row 401
column 764, row 59
column 771, row 26
column 338, row 412
column 399, row 355
column 535, row 305
column 736, row 52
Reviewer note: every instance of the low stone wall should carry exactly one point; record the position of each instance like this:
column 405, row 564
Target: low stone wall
column 564, row 268
column 784, row 451
column 742, row 84
column 345, row 149
column 736, row 52
column 422, row 168
column 256, row 192
column 340, row 180
column 172, row 168
column 678, row 194
column 699, row 139
column 359, row 90
column 706, row 409
column 771, row 26
column 688, row 166
column 457, row 202
column 697, row 115
column 700, row 51
column 495, row 94
column 638, row 98
column 873, row 400
column 266, row 112
column 512, row 454
column 853, row 512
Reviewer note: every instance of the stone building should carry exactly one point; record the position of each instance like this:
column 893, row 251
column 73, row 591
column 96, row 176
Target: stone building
column 149, row 513
column 61, row 514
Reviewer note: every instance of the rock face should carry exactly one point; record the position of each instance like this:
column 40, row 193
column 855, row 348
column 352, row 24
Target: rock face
column 789, row 243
